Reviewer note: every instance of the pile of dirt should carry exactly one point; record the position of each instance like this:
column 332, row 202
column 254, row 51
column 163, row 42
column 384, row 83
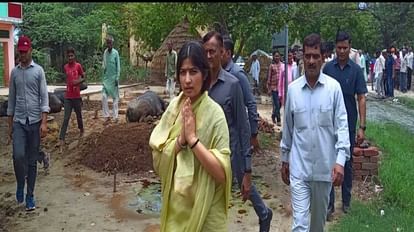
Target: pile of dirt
column 265, row 126
column 122, row 146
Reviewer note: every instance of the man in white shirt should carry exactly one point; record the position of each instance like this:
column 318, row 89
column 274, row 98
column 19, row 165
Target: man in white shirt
column 410, row 57
column 379, row 67
column 315, row 140
column 255, row 71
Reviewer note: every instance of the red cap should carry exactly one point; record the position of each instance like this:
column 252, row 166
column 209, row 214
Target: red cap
column 24, row 44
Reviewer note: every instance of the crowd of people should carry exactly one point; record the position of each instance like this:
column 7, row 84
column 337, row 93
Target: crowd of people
column 199, row 155
column 325, row 97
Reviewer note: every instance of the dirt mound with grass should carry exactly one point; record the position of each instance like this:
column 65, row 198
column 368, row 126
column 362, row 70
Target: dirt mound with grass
column 123, row 147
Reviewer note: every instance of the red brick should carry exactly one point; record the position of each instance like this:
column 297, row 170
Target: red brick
column 361, row 172
column 356, row 166
column 358, row 151
column 369, row 166
column 360, row 159
column 358, row 178
column 374, row 159
column 371, row 151
column 357, row 159
column 374, row 172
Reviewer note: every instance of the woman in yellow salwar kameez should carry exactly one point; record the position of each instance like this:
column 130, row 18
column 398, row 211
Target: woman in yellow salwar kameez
column 191, row 152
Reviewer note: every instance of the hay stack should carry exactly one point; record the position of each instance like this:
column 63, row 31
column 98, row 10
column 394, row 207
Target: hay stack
column 179, row 36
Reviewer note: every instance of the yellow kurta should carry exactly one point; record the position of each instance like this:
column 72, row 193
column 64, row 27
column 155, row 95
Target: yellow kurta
column 192, row 200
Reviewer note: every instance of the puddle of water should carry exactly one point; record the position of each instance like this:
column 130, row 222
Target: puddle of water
column 120, row 213
column 148, row 198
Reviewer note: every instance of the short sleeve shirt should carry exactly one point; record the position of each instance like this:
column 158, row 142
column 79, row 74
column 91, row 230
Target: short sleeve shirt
column 73, row 72
column 352, row 83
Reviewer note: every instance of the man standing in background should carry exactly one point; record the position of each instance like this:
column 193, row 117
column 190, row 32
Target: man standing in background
column 170, row 66
column 350, row 77
column 255, row 72
column 249, row 100
column 111, row 72
column 226, row 91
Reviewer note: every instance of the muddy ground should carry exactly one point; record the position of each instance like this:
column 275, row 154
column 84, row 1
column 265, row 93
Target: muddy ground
column 77, row 194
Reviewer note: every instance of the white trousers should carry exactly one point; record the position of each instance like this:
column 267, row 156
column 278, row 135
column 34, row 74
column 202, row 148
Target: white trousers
column 379, row 87
column 105, row 108
column 309, row 204
column 170, row 87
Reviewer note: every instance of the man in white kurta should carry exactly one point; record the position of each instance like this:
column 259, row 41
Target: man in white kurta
column 255, row 71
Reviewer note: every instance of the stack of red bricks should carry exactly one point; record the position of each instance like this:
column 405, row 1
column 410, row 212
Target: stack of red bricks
column 365, row 162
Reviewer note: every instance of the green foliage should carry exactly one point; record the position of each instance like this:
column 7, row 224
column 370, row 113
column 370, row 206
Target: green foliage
column 53, row 76
column 367, row 218
column 251, row 24
column 154, row 21
column 396, row 163
column 328, row 18
column 93, row 68
column 130, row 73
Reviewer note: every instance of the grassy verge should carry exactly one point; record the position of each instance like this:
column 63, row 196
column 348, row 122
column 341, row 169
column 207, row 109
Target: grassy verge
column 367, row 217
column 397, row 201
column 407, row 101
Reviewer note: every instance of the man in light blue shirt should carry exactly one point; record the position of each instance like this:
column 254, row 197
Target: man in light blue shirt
column 27, row 113
column 315, row 141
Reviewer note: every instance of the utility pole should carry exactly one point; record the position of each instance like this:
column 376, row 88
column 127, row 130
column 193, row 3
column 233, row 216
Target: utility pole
column 286, row 63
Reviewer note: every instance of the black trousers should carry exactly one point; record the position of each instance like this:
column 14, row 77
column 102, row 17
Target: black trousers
column 75, row 104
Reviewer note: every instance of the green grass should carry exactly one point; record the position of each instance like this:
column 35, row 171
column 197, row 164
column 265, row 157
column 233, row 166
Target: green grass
column 367, row 218
column 407, row 101
column 267, row 141
column 395, row 172
column 397, row 162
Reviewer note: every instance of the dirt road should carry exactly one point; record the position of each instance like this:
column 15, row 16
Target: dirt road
column 382, row 111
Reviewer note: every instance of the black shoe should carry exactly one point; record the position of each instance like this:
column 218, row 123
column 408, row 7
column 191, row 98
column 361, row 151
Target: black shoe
column 265, row 224
column 329, row 215
column 346, row 208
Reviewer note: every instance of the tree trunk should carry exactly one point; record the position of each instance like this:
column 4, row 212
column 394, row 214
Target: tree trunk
column 237, row 53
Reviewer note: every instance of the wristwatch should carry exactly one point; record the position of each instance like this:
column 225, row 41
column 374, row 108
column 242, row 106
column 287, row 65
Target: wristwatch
column 363, row 127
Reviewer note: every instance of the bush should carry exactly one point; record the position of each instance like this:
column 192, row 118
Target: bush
column 93, row 68
column 53, row 76
column 130, row 73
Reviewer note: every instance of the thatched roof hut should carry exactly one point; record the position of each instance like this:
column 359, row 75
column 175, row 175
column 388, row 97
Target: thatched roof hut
column 179, row 36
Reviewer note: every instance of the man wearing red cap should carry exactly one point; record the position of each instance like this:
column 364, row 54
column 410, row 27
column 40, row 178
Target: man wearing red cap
column 27, row 113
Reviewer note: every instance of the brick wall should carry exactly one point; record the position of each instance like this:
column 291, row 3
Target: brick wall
column 365, row 162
